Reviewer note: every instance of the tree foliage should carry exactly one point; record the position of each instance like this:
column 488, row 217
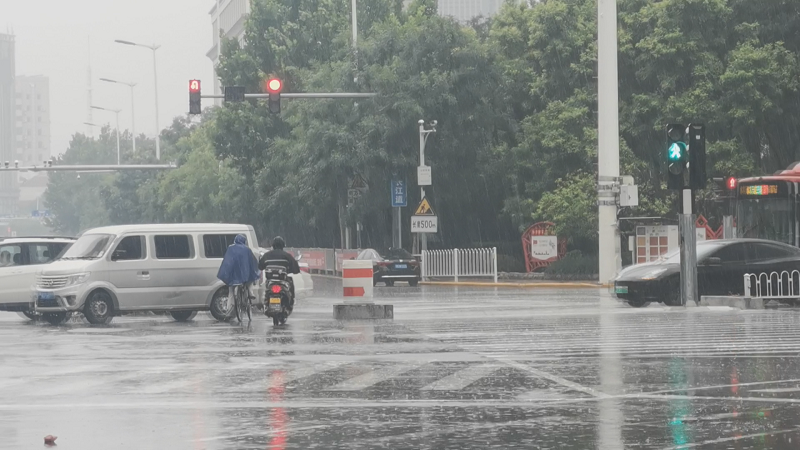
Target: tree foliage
column 515, row 98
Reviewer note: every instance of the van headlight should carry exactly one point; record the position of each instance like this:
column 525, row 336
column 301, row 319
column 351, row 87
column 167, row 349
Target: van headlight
column 78, row 278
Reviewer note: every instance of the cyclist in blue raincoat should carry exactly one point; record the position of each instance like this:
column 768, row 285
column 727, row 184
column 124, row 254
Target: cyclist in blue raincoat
column 239, row 267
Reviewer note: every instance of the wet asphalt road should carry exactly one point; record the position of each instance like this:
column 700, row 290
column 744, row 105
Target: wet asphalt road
column 458, row 368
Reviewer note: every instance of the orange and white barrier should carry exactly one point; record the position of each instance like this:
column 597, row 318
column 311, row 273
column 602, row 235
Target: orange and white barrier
column 357, row 281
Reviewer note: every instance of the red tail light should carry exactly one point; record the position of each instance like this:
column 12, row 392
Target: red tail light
column 276, row 289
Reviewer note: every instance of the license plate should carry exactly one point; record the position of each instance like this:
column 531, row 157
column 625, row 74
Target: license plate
column 621, row 289
column 47, row 296
column 401, row 266
column 274, row 300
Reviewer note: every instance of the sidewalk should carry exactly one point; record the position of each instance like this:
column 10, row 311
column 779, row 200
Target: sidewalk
column 544, row 284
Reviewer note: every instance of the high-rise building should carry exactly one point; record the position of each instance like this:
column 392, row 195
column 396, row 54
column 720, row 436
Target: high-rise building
column 32, row 119
column 227, row 21
column 465, row 10
column 9, row 194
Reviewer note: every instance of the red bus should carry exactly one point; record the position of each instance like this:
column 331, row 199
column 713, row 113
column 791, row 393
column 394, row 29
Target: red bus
column 769, row 207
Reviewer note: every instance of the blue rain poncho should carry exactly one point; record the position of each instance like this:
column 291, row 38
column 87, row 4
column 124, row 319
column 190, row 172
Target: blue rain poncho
column 239, row 266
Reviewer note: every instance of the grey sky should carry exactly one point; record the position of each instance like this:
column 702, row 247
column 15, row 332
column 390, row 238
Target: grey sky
column 52, row 39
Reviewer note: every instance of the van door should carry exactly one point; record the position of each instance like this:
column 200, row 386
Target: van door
column 13, row 285
column 177, row 274
column 129, row 273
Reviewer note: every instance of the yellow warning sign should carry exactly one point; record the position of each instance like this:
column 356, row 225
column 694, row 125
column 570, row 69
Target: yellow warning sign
column 424, row 209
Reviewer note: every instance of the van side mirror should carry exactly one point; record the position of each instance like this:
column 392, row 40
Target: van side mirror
column 713, row 261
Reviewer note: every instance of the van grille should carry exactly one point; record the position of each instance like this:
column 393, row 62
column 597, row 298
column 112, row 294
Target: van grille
column 51, row 282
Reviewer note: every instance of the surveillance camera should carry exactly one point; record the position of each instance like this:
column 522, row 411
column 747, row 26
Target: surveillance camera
column 16, row 163
column 433, row 123
column 421, row 122
column 79, row 176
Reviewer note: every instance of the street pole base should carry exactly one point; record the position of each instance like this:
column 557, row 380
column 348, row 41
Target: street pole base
column 363, row 311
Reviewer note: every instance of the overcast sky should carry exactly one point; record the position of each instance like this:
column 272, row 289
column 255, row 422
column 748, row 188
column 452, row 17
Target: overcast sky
column 53, row 36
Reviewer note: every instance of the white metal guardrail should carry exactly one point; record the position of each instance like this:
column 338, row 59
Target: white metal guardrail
column 772, row 285
column 455, row 263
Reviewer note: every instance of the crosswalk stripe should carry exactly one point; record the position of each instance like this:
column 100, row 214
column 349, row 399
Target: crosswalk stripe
column 374, row 377
column 462, row 378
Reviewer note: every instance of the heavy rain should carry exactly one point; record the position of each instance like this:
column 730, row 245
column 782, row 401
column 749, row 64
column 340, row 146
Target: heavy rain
column 403, row 224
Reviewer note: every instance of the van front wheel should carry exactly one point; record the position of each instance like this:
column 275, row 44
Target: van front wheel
column 98, row 308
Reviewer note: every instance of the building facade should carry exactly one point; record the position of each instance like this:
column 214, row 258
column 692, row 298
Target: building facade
column 465, row 10
column 32, row 119
column 227, row 21
column 9, row 193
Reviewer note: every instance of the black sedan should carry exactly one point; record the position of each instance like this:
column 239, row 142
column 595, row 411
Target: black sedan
column 721, row 266
column 394, row 265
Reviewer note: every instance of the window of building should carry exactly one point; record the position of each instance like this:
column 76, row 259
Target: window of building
column 173, row 247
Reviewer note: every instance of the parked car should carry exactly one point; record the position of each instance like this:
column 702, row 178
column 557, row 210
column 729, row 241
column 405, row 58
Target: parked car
column 167, row 267
column 20, row 259
column 303, row 283
column 394, row 265
column 721, row 266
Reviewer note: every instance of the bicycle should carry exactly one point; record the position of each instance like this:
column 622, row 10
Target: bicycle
column 241, row 302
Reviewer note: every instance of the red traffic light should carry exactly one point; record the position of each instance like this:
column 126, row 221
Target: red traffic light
column 194, row 86
column 274, row 86
column 731, row 183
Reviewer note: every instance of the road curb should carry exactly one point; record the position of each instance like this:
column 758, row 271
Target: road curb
column 516, row 285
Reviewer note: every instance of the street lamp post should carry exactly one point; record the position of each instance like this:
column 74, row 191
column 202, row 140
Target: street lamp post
column 423, row 138
column 115, row 111
column 133, row 116
column 153, row 47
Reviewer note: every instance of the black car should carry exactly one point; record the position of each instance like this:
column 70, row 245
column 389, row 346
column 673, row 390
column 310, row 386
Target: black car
column 394, row 265
column 721, row 266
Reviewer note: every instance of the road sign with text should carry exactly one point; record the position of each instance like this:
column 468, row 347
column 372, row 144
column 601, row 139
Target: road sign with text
column 399, row 194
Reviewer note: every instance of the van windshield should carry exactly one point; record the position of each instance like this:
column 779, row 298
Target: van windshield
column 89, row 246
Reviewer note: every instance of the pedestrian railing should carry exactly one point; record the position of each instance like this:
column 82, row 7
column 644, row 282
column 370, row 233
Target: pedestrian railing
column 455, row 263
column 774, row 285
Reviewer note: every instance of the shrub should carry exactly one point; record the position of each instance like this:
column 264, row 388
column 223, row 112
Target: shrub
column 509, row 263
column 574, row 264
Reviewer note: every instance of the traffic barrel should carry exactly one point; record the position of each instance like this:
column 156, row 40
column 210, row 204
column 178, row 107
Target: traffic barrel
column 357, row 280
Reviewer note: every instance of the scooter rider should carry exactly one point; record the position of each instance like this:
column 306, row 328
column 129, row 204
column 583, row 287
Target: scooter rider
column 278, row 253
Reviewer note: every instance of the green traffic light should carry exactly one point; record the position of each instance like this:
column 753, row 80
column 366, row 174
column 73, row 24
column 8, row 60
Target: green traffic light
column 676, row 151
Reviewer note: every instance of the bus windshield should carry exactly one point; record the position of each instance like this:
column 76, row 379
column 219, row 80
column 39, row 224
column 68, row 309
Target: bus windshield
column 766, row 218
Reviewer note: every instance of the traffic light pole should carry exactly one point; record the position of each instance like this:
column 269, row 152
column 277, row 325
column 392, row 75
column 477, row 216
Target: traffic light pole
column 307, row 95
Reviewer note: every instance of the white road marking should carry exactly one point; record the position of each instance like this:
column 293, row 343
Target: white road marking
column 462, row 378
column 375, row 376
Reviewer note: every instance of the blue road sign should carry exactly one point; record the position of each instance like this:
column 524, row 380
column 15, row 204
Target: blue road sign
column 399, row 189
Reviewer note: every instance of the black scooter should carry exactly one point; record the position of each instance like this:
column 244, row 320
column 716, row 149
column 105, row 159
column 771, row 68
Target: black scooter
column 279, row 301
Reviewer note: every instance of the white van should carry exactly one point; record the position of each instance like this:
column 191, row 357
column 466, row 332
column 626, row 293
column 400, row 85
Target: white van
column 128, row 268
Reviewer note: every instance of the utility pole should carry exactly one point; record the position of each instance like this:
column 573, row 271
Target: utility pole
column 608, row 138
column 422, row 179
column 115, row 111
column 153, row 47
column 133, row 115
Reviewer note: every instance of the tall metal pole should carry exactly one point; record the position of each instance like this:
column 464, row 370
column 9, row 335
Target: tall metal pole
column 158, row 130
column 118, row 158
column 133, row 121
column 608, row 135
column 423, row 236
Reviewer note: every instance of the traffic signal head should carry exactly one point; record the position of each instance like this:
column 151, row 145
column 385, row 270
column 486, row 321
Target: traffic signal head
column 195, row 106
column 730, row 183
column 697, row 156
column 274, row 87
column 677, row 155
